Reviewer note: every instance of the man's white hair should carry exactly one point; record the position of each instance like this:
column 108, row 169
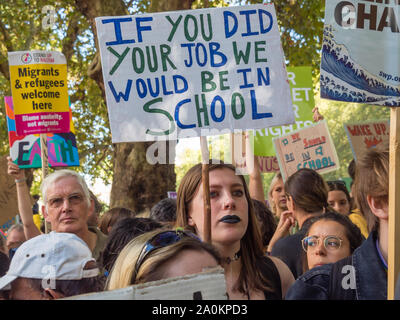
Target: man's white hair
column 64, row 173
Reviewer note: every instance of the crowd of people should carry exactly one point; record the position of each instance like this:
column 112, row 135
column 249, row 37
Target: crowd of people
column 311, row 239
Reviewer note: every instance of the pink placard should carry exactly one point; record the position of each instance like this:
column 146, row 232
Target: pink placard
column 47, row 122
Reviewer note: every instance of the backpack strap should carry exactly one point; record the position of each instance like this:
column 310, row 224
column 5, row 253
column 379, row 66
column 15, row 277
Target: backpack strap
column 337, row 289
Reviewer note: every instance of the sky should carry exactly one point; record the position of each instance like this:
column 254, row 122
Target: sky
column 102, row 191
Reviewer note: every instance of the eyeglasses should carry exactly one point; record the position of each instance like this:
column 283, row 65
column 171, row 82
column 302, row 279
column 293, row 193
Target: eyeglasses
column 161, row 240
column 73, row 199
column 331, row 243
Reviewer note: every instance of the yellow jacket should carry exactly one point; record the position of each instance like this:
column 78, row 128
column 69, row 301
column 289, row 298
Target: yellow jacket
column 358, row 219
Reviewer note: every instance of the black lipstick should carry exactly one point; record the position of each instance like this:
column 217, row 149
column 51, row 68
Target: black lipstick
column 230, row 219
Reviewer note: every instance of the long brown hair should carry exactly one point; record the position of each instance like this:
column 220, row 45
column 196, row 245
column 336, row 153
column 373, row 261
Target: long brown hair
column 251, row 243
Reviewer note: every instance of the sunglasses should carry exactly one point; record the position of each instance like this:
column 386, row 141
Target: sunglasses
column 11, row 253
column 331, row 243
column 161, row 240
column 336, row 182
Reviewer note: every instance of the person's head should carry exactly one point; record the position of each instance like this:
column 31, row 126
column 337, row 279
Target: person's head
column 36, row 197
column 338, row 197
column 267, row 221
column 4, row 260
column 232, row 212
column 93, row 220
column 52, row 265
column 110, row 217
column 351, row 169
column 307, row 193
column 3, row 247
column 330, row 237
column 67, row 202
column 124, row 231
column 371, row 186
column 161, row 254
column 164, row 211
column 4, row 263
column 15, row 236
column 234, row 224
column 276, row 195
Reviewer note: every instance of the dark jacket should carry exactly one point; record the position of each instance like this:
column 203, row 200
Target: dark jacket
column 290, row 250
column 397, row 290
column 369, row 277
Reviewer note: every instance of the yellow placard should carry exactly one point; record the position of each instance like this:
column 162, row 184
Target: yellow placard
column 39, row 88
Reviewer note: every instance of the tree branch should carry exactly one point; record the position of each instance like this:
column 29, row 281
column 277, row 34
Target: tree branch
column 70, row 38
column 7, row 39
column 93, row 150
column 4, row 67
column 31, row 35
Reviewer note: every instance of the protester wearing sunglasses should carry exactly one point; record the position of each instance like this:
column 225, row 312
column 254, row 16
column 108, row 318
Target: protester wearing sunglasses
column 161, row 254
column 249, row 274
column 330, row 238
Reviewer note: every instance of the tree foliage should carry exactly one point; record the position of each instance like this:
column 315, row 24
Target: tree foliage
column 21, row 28
column 73, row 33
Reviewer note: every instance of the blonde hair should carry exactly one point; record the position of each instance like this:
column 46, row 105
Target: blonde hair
column 274, row 181
column 123, row 272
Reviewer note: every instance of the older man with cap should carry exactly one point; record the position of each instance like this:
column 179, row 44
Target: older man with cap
column 67, row 206
column 51, row 266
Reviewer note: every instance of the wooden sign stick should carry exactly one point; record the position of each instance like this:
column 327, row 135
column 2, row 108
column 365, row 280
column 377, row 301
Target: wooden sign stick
column 205, row 155
column 394, row 202
column 45, row 165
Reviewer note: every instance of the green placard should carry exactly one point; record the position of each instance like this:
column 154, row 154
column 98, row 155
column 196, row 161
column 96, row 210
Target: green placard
column 301, row 88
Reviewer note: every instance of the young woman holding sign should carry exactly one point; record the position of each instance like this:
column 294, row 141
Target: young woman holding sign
column 235, row 233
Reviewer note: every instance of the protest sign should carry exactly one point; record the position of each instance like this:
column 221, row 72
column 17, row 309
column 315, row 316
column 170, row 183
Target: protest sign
column 193, row 73
column 6, row 225
column 301, row 88
column 243, row 144
column 365, row 135
column 311, row 147
column 25, row 150
column 360, row 63
column 8, row 194
column 208, row 285
column 40, row 92
column 171, row 194
column 360, row 52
